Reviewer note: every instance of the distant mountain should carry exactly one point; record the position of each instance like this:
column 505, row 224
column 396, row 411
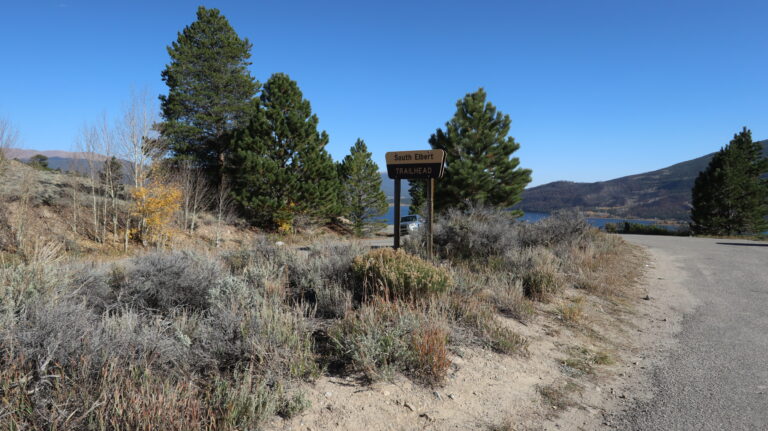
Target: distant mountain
column 23, row 154
column 68, row 161
column 663, row 194
column 388, row 186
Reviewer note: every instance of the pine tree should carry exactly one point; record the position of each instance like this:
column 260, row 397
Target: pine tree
column 111, row 173
column 210, row 91
column 361, row 196
column 280, row 166
column 729, row 197
column 478, row 169
column 39, row 161
column 417, row 192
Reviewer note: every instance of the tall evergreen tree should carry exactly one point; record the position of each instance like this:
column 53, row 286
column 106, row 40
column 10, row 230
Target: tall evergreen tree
column 210, row 91
column 280, row 166
column 478, row 168
column 417, row 192
column 361, row 196
column 730, row 196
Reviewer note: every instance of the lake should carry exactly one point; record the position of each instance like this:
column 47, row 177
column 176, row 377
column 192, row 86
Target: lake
column 534, row 217
column 601, row 222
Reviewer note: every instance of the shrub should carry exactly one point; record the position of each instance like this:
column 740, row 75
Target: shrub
column 374, row 338
column 396, row 274
column 324, row 277
column 319, row 275
column 245, row 400
column 647, row 229
column 382, row 337
column 539, row 270
column 471, row 234
column 244, row 326
column 179, row 370
column 261, row 251
column 160, row 282
column 21, row 283
column 560, row 228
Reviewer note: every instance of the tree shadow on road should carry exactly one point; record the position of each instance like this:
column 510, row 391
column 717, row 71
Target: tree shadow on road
column 744, row 244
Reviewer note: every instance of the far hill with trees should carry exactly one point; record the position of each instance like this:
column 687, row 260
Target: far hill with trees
column 663, row 194
column 730, row 197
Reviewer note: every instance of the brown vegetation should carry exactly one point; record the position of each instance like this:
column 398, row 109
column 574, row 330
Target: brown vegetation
column 226, row 339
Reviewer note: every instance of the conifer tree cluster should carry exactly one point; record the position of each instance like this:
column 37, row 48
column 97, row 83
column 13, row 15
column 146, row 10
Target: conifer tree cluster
column 263, row 143
column 479, row 169
column 730, row 197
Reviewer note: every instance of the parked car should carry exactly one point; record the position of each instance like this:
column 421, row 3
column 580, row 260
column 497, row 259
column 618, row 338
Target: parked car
column 410, row 223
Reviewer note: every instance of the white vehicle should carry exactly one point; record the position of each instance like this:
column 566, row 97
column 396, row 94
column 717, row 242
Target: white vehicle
column 410, row 223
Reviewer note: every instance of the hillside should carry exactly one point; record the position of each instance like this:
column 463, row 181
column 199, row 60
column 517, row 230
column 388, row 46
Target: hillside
column 663, row 194
column 39, row 207
column 62, row 160
column 72, row 161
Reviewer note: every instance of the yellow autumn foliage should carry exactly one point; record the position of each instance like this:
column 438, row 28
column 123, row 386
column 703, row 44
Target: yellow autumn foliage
column 155, row 205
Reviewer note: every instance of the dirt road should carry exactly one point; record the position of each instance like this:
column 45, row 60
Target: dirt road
column 713, row 375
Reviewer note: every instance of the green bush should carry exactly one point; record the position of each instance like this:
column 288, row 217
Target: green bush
column 652, row 229
column 396, row 274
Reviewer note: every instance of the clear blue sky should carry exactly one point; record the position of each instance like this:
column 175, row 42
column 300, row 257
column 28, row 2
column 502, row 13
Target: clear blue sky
column 595, row 89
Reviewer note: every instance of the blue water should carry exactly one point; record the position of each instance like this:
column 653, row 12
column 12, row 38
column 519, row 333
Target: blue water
column 534, row 217
column 389, row 217
column 600, row 222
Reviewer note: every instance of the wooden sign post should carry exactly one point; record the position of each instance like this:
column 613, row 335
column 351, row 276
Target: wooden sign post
column 411, row 165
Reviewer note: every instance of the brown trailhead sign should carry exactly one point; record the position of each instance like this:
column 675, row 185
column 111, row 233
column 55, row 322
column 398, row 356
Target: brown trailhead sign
column 410, row 165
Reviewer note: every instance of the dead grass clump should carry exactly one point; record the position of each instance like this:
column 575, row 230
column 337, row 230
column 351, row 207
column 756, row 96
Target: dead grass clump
column 605, row 265
column 573, row 312
column 504, row 425
column 479, row 319
column 602, row 357
column 431, row 353
column 558, row 396
column 582, row 360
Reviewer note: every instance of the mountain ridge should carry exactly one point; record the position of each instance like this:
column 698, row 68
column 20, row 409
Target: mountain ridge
column 663, row 194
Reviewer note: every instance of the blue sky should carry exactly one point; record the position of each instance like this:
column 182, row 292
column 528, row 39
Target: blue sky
column 595, row 89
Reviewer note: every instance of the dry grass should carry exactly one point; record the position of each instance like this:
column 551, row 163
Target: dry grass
column 203, row 341
column 430, row 346
column 583, row 360
column 572, row 312
column 559, row 396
